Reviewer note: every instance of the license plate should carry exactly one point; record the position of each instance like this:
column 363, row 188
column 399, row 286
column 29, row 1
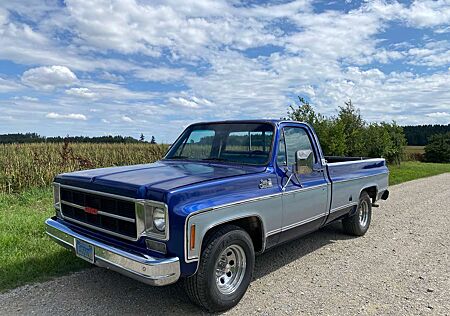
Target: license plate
column 84, row 250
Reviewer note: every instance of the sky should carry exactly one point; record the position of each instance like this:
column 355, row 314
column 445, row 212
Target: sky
column 99, row 67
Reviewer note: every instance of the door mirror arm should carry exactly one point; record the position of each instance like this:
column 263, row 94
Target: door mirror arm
column 292, row 174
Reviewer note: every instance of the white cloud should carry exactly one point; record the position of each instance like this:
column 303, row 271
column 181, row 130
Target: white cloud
column 438, row 114
column 48, row 78
column 192, row 102
column 8, row 85
column 26, row 98
column 127, row 119
column 71, row 116
column 163, row 74
column 81, row 92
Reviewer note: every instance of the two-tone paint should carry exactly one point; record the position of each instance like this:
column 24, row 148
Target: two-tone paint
column 209, row 194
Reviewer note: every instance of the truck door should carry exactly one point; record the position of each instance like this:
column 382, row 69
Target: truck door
column 304, row 197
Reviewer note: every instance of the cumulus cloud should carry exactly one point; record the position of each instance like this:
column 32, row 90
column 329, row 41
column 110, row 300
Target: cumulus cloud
column 163, row 74
column 48, row 78
column 192, row 102
column 81, row 92
column 71, row 116
column 438, row 114
column 183, row 61
column 127, row 119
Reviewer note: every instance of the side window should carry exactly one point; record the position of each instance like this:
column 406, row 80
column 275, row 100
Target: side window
column 296, row 139
column 281, row 155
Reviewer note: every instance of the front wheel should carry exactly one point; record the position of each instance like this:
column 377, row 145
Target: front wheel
column 359, row 223
column 225, row 270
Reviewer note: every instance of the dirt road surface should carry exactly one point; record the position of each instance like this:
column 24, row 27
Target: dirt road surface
column 400, row 267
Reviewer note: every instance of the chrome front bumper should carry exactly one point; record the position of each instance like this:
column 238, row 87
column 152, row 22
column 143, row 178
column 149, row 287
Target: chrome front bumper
column 152, row 271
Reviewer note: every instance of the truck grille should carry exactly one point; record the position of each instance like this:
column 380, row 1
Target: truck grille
column 107, row 214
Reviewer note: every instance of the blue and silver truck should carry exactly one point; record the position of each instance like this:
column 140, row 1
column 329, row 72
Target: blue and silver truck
column 223, row 193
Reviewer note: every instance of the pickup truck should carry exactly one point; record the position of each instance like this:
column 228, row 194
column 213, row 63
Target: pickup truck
column 224, row 192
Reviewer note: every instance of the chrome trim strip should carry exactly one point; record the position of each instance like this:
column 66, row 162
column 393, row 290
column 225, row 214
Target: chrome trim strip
column 353, row 179
column 354, row 161
column 114, row 196
column 144, row 268
column 126, row 219
column 343, row 207
column 100, row 229
column 305, row 189
column 288, row 227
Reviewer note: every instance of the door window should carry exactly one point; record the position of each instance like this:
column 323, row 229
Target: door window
column 295, row 139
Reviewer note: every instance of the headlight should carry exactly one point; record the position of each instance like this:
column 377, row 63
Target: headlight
column 159, row 219
column 154, row 219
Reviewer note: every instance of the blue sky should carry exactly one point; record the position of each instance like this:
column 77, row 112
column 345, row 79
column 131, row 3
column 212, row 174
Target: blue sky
column 98, row 67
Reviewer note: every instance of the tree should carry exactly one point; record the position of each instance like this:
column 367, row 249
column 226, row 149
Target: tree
column 353, row 125
column 349, row 135
column 329, row 130
column 438, row 148
column 142, row 137
column 153, row 141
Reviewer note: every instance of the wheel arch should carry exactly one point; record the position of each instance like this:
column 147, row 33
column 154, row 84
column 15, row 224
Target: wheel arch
column 372, row 190
column 252, row 223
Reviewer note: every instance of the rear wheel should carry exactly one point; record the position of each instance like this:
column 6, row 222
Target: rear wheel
column 359, row 223
column 225, row 270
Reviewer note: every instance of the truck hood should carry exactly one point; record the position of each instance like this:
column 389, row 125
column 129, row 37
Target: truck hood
column 161, row 175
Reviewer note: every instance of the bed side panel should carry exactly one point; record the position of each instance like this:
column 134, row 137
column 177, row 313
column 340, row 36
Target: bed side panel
column 350, row 178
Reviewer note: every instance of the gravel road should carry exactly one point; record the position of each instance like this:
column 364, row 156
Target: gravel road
column 400, row 267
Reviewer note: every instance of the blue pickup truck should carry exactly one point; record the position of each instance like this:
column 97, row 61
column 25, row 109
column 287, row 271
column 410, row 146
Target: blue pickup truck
column 224, row 192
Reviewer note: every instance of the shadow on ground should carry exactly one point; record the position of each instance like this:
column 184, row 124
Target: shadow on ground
column 99, row 288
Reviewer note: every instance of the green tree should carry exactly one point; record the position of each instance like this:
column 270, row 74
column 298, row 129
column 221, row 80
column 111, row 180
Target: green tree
column 142, row 137
column 438, row 148
column 353, row 125
column 153, row 141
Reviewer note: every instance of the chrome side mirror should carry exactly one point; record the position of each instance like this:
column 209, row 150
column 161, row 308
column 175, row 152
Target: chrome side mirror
column 304, row 160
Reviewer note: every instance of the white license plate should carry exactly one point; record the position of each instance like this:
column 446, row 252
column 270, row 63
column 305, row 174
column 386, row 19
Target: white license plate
column 84, row 250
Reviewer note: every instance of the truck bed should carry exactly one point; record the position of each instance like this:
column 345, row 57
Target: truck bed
column 350, row 175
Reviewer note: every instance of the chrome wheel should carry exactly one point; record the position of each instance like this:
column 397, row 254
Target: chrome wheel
column 230, row 269
column 363, row 213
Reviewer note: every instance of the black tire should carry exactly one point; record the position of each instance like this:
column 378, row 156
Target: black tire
column 202, row 288
column 358, row 224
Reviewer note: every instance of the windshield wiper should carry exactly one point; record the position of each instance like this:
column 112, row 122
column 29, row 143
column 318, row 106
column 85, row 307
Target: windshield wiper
column 179, row 157
column 214, row 159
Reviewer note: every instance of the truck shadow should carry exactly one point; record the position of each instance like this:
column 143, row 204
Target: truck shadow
column 100, row 291
column 130, row 297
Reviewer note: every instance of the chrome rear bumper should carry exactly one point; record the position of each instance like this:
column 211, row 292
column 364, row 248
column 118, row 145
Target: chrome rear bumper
column 152, row 271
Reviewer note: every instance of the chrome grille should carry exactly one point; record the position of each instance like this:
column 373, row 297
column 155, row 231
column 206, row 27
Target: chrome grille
column 99, row 212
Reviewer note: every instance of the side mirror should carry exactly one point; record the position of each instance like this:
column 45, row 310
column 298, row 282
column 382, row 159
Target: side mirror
column 304, row 160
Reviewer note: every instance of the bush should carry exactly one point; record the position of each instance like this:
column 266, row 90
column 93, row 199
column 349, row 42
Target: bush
column 438, row 148
column 348, row 134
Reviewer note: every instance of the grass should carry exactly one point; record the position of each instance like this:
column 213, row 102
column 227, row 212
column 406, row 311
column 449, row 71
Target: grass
column 28, row 255
column 411, row 170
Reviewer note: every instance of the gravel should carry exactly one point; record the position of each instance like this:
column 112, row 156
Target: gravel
column 400, row 267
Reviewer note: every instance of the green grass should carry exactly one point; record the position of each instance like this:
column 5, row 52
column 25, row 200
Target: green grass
column 410, row 170
column 26, row 253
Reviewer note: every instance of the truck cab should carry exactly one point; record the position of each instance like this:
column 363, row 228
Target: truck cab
column 223, row 193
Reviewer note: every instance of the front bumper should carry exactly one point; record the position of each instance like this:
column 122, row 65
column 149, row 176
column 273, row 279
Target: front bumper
column 152, row 271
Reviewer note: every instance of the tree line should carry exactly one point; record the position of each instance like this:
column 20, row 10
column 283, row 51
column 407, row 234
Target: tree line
column 27, row 138
column 419, row 135
column 348, row 134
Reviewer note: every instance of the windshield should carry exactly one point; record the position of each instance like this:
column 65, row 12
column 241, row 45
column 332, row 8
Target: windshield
column 242, row 143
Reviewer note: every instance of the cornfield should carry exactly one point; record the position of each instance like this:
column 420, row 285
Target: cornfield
column 35, row 165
